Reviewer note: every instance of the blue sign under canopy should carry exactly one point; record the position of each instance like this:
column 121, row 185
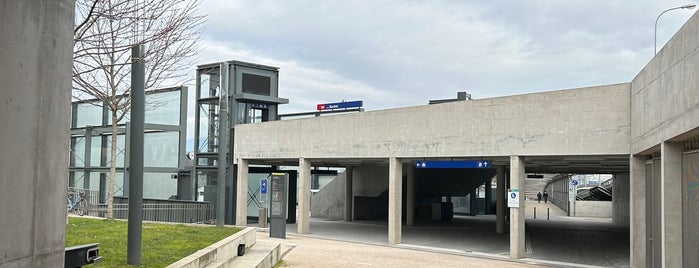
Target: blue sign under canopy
column 454, row 164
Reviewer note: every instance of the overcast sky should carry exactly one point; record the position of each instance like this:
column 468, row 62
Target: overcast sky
column 404, row 53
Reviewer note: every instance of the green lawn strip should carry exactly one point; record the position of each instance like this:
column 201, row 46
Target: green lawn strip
column 162, row 245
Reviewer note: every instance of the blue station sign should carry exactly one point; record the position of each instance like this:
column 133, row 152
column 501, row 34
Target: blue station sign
column 340, row 105
column 454, row 164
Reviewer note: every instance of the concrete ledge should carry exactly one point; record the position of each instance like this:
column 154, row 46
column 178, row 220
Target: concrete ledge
column 597, row 209
column 264, row 254
column 220, row 252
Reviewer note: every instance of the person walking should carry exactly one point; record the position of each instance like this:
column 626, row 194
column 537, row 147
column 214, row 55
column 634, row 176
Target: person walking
column 546, row 197
column 538, row 197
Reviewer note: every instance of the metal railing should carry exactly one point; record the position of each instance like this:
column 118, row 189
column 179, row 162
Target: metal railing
column 162, row 210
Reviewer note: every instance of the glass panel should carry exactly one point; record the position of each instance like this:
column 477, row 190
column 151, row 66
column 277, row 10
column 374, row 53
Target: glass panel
column 95, row 151
column 208, row 128
column 161, row 149
column 159, row 186
column 121, row 145
column 256, row 84
column 88, row 115
column 206, row 185
column 163, row 108
column 78, row 152
column 207, row 160
column 209, row 83
column 95, row 181
column 256, row 199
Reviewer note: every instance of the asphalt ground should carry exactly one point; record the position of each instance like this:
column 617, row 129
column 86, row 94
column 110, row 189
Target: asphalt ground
column 559, row 241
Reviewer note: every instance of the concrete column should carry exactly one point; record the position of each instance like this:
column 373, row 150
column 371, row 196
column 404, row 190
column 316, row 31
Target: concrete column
column 488, row 195
column 500, row 201
column 304, row 193
column 410, row 202
column 517, row 219
column 671, row 204
column 349, row 196
column 620, row 199
column 472, row 207
column 637, row 208
column 241, row 204
column 395, row 192
column 36, row 48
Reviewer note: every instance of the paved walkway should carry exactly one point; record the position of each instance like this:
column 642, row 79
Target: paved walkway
column 302, row 251
column 560, row 241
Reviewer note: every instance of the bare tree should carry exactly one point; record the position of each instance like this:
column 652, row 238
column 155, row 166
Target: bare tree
column 104, row 33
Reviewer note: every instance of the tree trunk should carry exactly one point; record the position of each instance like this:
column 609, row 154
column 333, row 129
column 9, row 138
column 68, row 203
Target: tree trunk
column 112, row 168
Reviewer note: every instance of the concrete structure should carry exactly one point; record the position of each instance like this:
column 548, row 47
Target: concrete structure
column 35, row 64
column 648, row 127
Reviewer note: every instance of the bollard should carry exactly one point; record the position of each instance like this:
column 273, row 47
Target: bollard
column 548, row 213
column 534, row 212
column 262, row 220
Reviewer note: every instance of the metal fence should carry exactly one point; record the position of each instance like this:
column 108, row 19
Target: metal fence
column 160, row 210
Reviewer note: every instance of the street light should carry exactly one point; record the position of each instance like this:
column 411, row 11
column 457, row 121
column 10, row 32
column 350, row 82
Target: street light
column 655, row 41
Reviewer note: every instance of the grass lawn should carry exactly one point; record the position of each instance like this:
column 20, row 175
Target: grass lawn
column 163, row 244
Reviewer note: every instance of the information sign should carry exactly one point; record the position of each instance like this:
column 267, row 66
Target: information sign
column 453, row 164
column 263, row 186
column 340, row 105
column 513, row 198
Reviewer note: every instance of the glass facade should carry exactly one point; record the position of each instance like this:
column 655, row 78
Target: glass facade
column 164, row 142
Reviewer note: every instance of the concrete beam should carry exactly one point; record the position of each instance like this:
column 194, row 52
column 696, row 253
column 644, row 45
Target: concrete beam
column 349, row 196
column 638, row 211
column 500, row 200
column 517, row 219
column 395, row 193
column 241, row 204
column 304, row 193
column 410, row 202
column 671, row 204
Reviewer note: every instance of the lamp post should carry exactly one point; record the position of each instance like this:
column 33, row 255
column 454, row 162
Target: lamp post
column 655, row 33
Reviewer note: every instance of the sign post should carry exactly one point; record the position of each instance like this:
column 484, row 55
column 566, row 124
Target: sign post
column 278, row 204
column 262, row 222
column 572, row 194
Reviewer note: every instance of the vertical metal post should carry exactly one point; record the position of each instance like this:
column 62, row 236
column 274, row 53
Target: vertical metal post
column 534, row 212
column 222, row 147
column 138, row 73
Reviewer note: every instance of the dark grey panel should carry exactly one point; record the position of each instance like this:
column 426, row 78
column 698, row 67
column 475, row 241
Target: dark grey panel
column 690, row 210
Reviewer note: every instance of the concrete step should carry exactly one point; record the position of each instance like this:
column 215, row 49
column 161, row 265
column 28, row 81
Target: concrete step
column 264, row 254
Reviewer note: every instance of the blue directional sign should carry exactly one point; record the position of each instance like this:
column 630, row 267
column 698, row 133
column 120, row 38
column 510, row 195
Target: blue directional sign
column 574, row 182
column 340, row 105
column 263, row 186
column 454, row 164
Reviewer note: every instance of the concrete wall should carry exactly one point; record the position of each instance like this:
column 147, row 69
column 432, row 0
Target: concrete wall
column 35, row 63
column 329, row 202
column 583, row 121
column 596, row 209
column 665, row 94
column 370, row 180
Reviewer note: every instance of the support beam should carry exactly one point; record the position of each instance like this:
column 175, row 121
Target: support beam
column 671, row 204
column 395, row 184
column 488, row 196
column 517, row 219
column 349, row 194
column 638, row 210
column 500, row 201
column 304, row 193
column 620, row 199
column 410, row 202
column 241, row 204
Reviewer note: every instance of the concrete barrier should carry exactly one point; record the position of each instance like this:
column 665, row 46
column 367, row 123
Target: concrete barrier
column 224, row 251
column 597, row 209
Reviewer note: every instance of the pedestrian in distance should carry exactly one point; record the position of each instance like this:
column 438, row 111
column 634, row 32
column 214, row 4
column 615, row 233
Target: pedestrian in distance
column 546, row 197
column 538, row 197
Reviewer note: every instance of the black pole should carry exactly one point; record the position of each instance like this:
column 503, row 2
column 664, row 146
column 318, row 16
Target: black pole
column 138, row 74
column 548, row 213
column 534, row 212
